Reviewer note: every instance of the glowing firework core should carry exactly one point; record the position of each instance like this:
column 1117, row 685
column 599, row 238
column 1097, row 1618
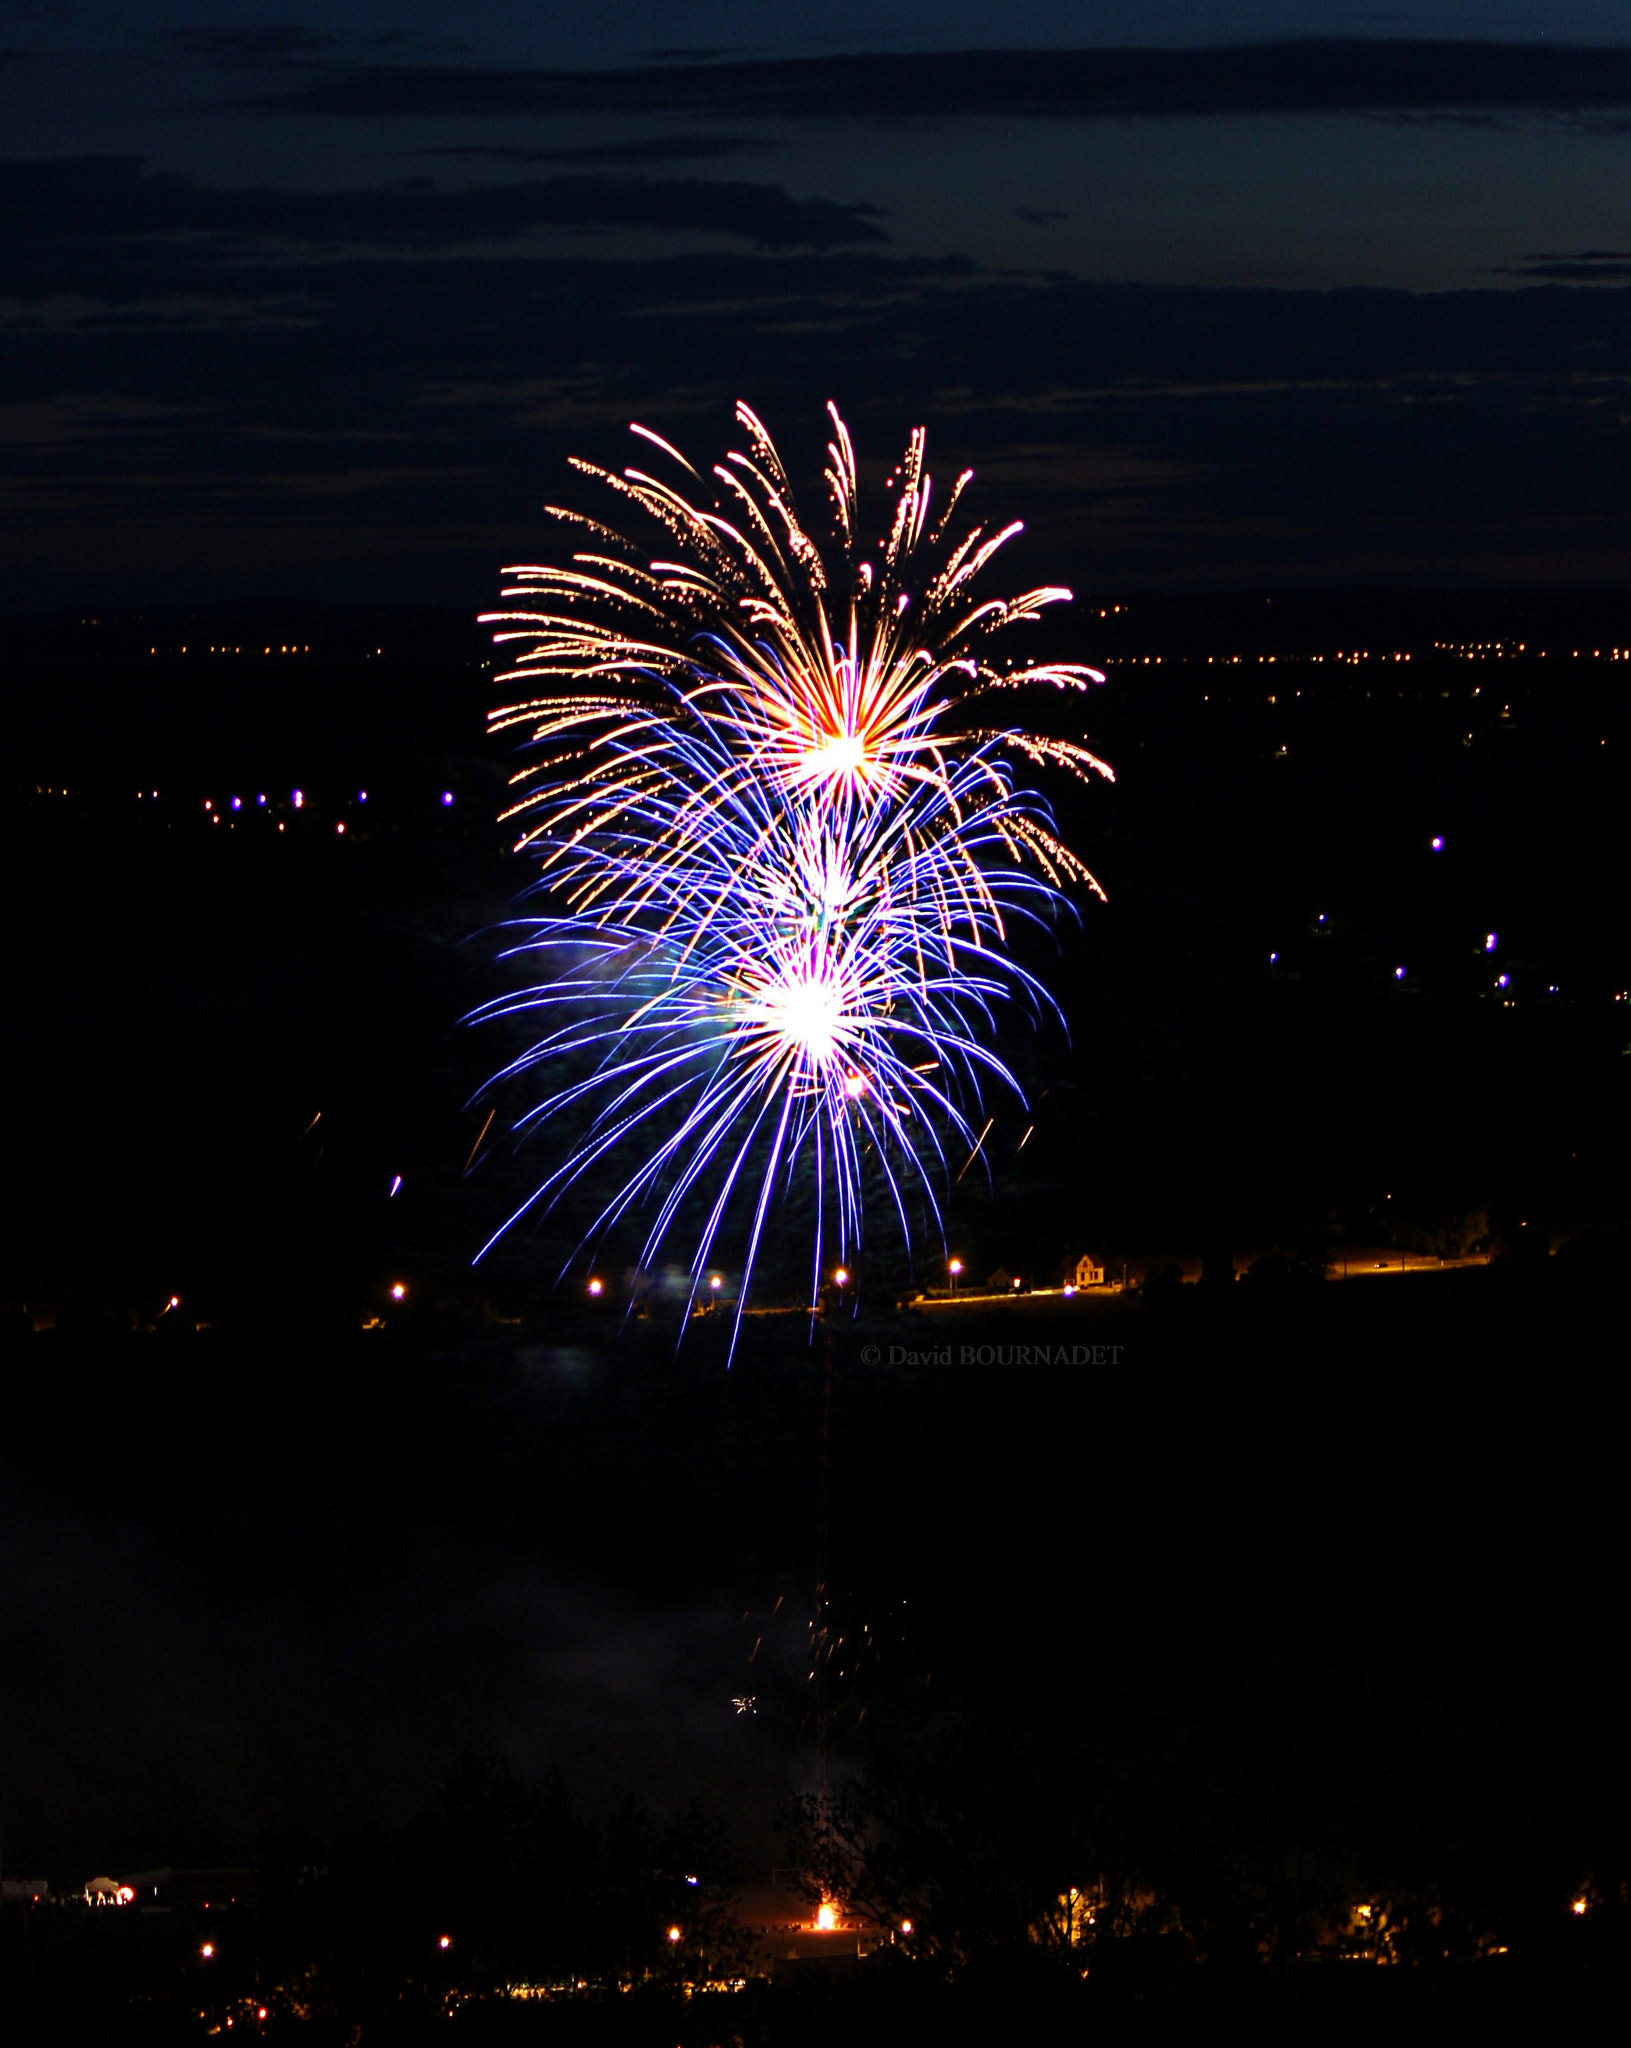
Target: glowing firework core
column 842, row 755
column 807, row 1012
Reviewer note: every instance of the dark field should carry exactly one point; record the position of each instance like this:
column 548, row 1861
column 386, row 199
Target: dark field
column 1243, row 1067
column 1312, row 1593
column 1315, row 1594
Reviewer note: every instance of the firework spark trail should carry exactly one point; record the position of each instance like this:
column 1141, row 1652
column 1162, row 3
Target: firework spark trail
column 785, row 861
column 841, row 683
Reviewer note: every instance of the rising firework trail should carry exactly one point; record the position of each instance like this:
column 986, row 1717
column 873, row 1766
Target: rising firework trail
column 780, row 844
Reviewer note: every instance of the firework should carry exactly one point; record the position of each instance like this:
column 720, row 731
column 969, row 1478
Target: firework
column 782, row 850
column 847, row 682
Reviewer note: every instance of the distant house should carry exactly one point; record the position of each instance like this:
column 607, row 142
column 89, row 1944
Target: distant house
column 1089, row 1273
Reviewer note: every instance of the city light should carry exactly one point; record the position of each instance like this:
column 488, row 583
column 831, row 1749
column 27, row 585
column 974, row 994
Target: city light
column 826, row 1916
column 594, row 1287
column 841, row 1277
column 207, row 1950
column 954, row 1266
column 673, row 1934
column 299, row 799
column 714, row 1283
column 1489, row 943
column 445, row 1942
column 1577, row 1907
column 398, row 1291
column 1438, row 843
column 1398, row 974
column 906, row 1927
column 447, row 798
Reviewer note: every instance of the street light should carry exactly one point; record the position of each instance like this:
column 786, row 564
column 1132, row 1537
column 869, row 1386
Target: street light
column 954, row 1267
column 840, row 1277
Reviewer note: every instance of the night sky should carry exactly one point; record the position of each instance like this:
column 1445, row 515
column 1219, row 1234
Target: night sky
column 313, row 303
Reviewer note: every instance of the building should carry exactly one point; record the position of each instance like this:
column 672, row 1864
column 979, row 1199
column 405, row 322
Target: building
column 1089, row 1273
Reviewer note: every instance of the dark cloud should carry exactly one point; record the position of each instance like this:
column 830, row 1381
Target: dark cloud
column 651, row 149
column 57, row 201
column 276, row 45
column 1292, row 77
column 1581, row 266
column 392, row 423
column 402, row 41
column 251, row 47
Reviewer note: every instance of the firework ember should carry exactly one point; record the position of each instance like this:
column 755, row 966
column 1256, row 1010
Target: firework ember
column 780, row 840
